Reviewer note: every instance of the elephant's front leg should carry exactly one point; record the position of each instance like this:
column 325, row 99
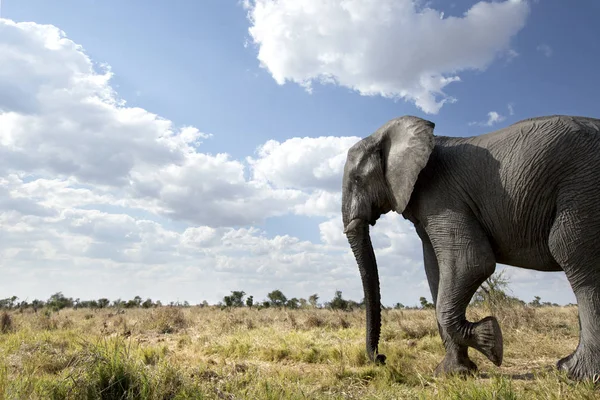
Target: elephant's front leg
column 457, row 358
column 465, row 262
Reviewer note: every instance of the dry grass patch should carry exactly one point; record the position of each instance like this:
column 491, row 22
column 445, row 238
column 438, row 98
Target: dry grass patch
column 208, row 353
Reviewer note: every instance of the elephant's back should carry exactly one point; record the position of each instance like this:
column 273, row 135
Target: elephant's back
column 557, row 118
column 544, row 139
column 551, row 127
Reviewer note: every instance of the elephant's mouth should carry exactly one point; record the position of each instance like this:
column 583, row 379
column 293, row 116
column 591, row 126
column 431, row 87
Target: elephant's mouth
column 354, row 224
column 357, row 222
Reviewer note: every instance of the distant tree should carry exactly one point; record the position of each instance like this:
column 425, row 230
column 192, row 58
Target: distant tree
column 425, row 304
column 103, row 303
column 277, row 298
column 136, row 302
column 9, row 302
column 313, row 299
column 250, row 301
column 235, row 299
column 535, row 302
column 147, row 303
column 118, row 303
column 58, row 301
column 93, row 304
column 398, row 306
column 293, row 303
column 37, row 304
column 338, row 302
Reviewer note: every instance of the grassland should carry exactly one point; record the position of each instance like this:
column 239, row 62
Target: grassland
column 208, row 353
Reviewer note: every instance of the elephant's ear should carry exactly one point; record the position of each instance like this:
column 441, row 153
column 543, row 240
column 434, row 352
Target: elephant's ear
column 406, row 144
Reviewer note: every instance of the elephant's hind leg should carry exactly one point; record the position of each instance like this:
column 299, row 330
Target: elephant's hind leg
column 465, row 261
column 573, row 242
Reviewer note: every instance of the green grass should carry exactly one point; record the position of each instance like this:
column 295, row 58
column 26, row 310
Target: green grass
column 207, row 353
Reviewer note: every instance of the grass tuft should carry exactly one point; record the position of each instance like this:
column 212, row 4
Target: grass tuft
column 6, row 323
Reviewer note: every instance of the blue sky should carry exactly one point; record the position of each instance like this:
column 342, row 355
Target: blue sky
column 196, row 64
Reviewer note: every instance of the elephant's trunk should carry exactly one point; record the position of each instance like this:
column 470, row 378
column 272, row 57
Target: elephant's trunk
column 357, row 232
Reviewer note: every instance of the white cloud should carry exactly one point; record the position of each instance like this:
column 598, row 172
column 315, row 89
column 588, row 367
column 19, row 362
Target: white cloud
column 90, row 253
column 545, row 49
column 321, row 203
column 62, row 119
column 313, row 165
column 493, row 118
column 511, row 109
column 392, row 48
column 308, row 163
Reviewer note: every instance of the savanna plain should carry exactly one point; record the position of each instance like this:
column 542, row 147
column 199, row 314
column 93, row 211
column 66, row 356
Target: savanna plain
column 215, row 352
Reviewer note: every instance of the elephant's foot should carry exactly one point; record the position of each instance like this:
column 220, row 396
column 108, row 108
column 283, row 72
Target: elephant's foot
column 581, row 365
column 456, row 363
column 487, row 338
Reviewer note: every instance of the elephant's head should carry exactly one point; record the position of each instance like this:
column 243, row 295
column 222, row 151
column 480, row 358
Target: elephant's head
column 379, row 176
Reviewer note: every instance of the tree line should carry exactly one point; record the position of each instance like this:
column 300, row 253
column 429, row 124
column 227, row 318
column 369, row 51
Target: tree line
column 277, row 299
column 493, row 293
column 58, row 301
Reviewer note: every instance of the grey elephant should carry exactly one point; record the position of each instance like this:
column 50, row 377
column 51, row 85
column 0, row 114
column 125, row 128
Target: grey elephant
column 527, row 196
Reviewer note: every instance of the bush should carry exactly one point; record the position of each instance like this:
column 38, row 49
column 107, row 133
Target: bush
column 6, row 323
column 110, row 372
column 492, row 293
column 167, row 320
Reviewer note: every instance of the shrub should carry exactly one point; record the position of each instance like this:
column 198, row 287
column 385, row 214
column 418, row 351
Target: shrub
column 167, row 320
column 6, row 323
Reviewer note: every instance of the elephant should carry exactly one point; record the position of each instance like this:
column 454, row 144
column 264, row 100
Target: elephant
column 527, row 195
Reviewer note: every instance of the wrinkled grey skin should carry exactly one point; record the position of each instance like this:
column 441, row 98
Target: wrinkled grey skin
column 527, row 195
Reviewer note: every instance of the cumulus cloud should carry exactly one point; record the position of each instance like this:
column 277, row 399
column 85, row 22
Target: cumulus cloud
column 61, row 118
column 313, row 165
column 308, row 163
column 83, row 249
column 391, row 48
